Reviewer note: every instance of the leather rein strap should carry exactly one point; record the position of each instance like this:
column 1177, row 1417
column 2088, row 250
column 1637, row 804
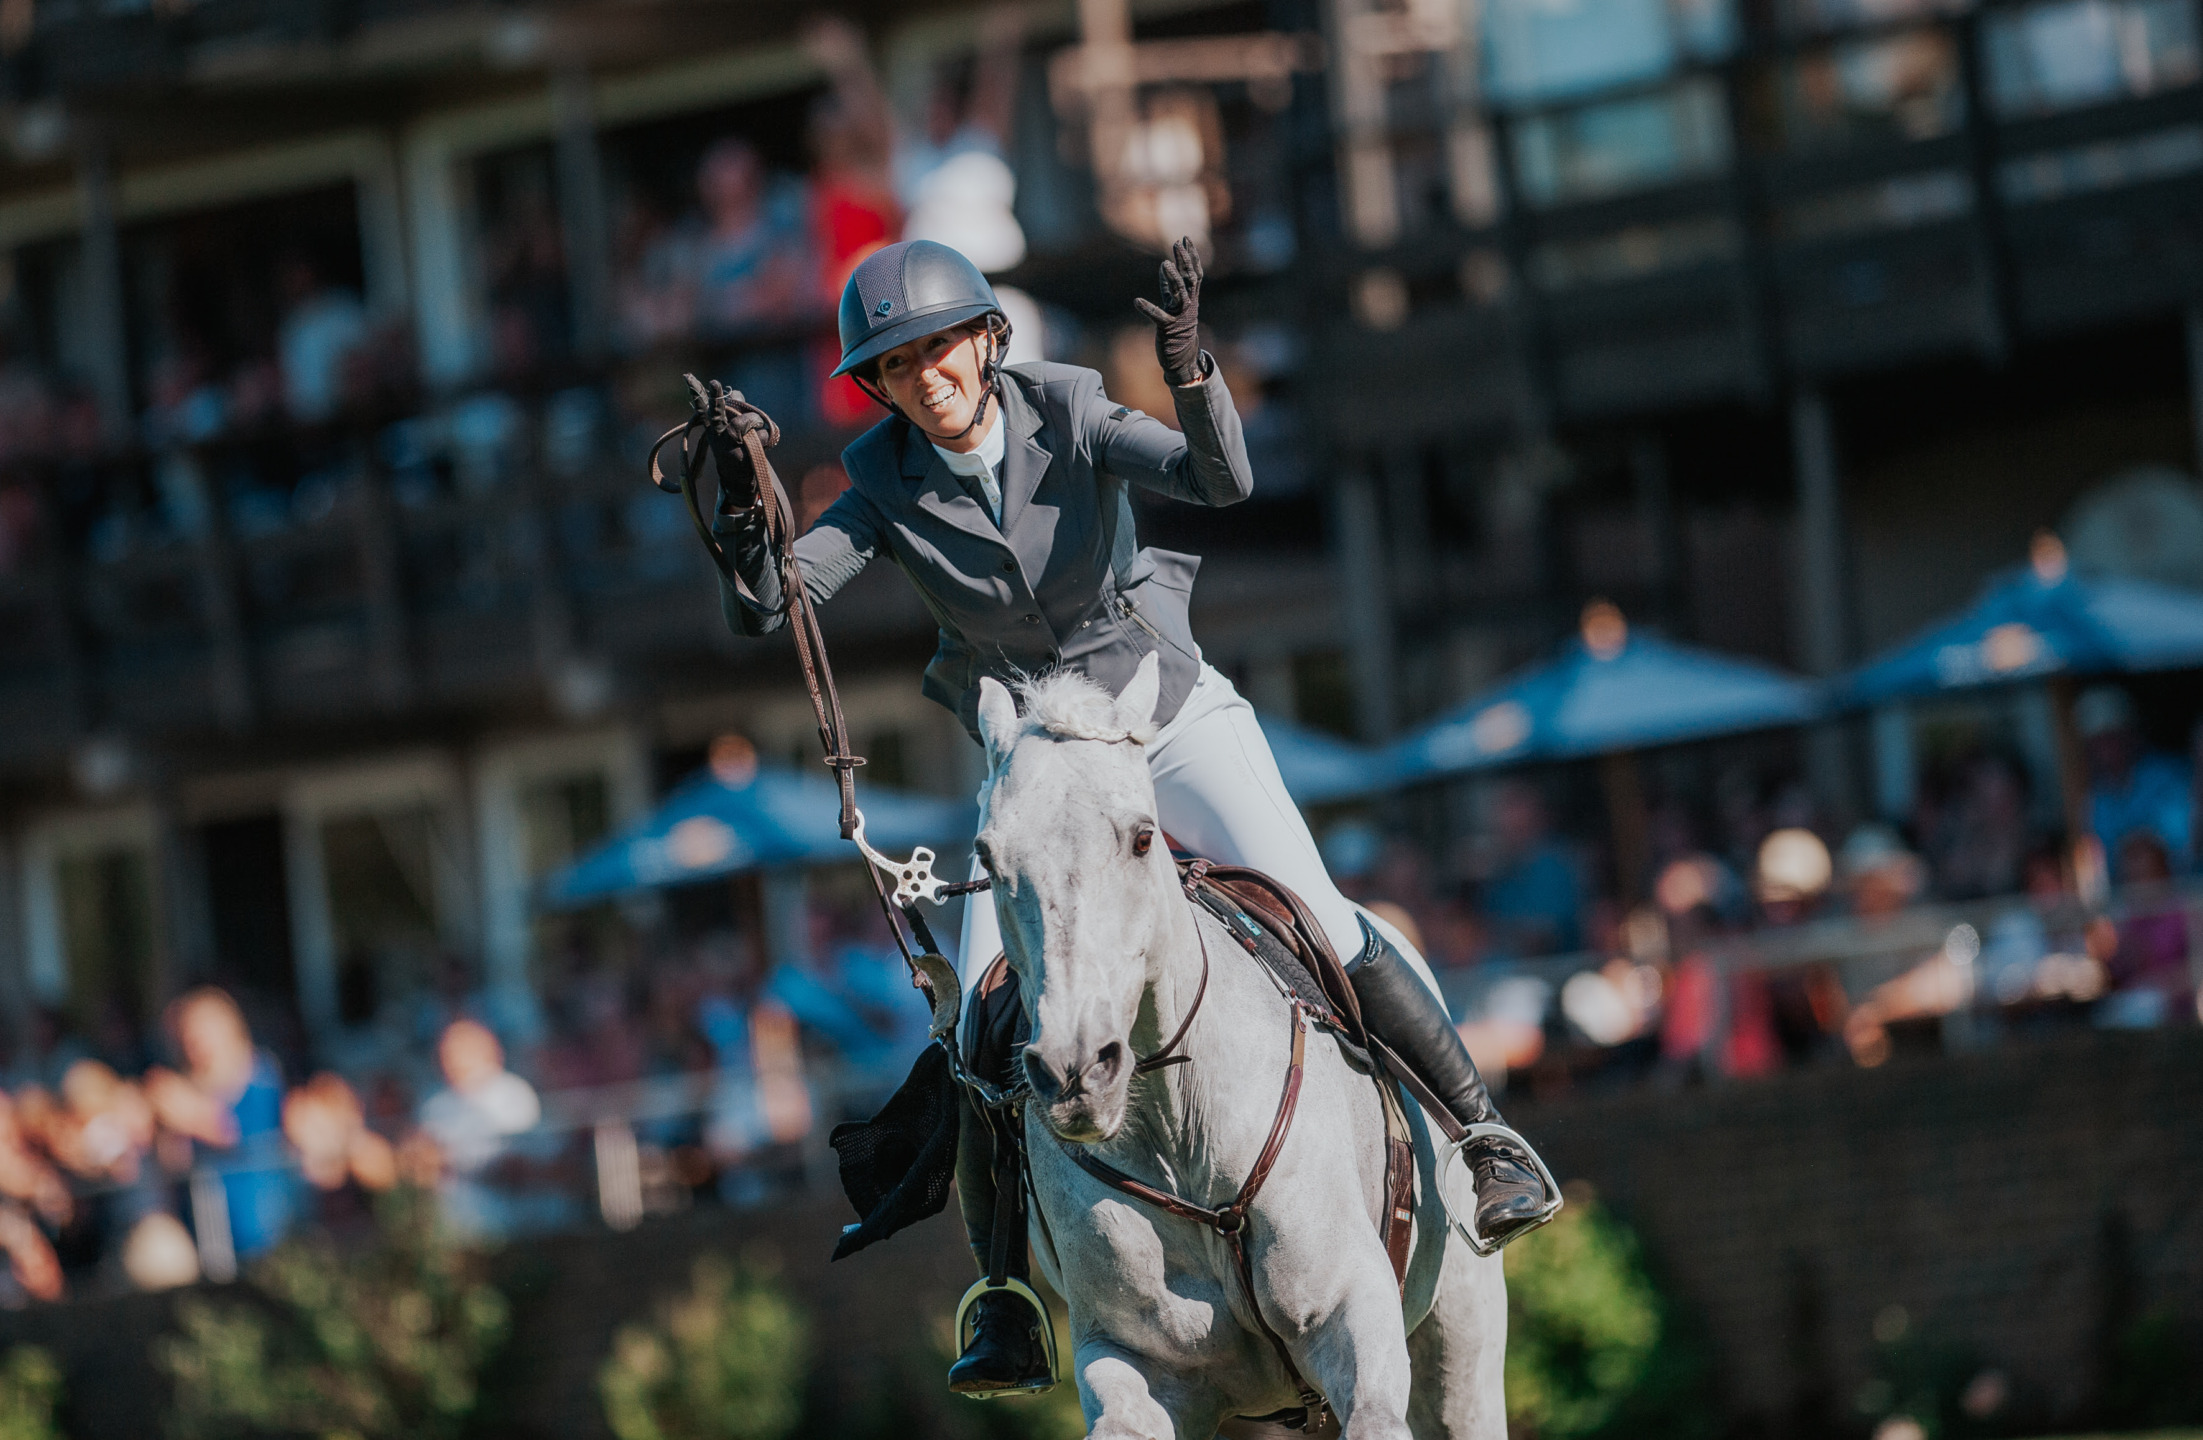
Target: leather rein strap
column 719, row 420
column 722, row 415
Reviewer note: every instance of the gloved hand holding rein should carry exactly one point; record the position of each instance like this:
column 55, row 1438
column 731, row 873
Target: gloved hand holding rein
column 1178, row 319
column 727, row 419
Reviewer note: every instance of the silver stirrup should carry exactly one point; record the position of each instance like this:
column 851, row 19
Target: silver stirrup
column 1466, row 1229
column 1031, row 1297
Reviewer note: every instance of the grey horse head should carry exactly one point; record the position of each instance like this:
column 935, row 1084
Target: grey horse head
column 1082, row 879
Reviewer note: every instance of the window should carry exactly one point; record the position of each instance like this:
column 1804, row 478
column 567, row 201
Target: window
column 1622, row 145
column 1902, row 86
column 2087, row 52
column 1542, row 50
column 108, row 932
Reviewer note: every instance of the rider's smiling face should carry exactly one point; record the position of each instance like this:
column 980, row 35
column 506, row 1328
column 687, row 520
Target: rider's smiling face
column 938, row 382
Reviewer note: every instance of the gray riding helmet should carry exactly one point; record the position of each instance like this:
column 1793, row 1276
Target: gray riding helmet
column 904, row 291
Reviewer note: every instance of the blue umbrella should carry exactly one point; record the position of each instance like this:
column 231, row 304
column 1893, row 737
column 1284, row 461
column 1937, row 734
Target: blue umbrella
column 709, row 827
column 1317, row 767
column 2036, row 622
column 1608, row 691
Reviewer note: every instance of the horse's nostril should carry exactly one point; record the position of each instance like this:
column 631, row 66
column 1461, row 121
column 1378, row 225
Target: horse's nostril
column 1108, row 1059
column 1038, row 1075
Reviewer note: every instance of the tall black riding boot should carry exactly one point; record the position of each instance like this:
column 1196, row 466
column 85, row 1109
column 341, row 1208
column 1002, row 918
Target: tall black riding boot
column 1398, row 1008
column 1006, row 1352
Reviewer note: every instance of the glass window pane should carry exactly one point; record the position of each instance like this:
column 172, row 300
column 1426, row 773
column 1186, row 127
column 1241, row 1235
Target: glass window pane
column 1898, row 86
column 107, row 930
column 561, row 818
column 2088, row 52
column 1622, row 145
column 1844, row 14
column 1550, row 49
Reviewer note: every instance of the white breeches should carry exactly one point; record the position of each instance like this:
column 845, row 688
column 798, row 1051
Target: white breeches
column 1218, row 794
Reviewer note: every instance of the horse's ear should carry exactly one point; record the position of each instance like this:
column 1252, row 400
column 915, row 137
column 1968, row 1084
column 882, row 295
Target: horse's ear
column 997, row 717
column 1136, row 702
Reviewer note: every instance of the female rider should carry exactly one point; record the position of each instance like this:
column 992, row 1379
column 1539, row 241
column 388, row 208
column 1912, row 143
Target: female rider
column 1004, row 493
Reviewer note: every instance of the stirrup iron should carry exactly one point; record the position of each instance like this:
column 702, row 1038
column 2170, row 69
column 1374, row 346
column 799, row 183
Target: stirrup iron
column 1466, row 1229
column 966, row 1326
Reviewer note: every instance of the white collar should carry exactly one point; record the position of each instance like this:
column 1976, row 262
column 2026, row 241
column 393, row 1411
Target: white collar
column 984, row 462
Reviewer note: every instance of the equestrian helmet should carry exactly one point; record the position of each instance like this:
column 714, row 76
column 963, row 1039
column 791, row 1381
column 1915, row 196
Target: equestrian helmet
column 906, row 290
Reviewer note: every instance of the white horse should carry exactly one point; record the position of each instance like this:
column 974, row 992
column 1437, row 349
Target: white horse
column 1110, row 957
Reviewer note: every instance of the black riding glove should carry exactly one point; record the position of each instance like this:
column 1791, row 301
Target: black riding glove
column 1178, row 318
column 728, row 417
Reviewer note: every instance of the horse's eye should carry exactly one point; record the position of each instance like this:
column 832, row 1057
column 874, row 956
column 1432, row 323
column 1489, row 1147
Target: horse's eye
column 1143, row 840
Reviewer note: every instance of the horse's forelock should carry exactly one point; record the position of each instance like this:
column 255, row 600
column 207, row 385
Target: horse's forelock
column 1067, row 704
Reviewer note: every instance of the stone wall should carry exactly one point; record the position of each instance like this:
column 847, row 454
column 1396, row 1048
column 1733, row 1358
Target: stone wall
column 2023, row 1206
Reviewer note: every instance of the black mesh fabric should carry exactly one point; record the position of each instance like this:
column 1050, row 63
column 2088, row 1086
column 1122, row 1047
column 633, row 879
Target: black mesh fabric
column 896, row 1167
column 877, row 284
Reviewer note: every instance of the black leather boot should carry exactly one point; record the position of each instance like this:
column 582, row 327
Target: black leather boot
column 1400, row 1011
column 1006, row 1353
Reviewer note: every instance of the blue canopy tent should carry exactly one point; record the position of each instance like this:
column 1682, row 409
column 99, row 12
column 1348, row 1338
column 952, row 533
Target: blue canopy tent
column 1599, row 697
column 2036, row 622
column 1318, row 768
column 2043, row 623
column 774, row 819
column 1609, row 693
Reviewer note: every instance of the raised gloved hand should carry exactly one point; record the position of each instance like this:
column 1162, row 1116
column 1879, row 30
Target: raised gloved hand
column 1178, row 318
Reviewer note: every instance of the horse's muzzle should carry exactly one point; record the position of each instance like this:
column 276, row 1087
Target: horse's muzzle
column 1081, row 1097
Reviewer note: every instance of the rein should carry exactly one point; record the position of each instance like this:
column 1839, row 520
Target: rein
column 737, row 434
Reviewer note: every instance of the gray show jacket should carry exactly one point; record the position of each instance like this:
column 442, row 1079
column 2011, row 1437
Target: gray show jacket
column 1063, row 580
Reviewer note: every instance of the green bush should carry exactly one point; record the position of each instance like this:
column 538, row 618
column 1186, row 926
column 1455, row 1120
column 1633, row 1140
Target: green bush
column 1592, row 1348
column 30, row 1386
column 725, row 1361
column 384, row 1341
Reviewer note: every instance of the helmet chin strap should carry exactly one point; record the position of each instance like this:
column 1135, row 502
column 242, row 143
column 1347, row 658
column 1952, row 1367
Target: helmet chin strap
column 990, row 374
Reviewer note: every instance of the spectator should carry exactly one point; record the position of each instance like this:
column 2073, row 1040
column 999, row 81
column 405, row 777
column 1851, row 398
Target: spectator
column 1882, row 876
column 2130, row 788
column 323, row 327
column 1981, row 839
column 749, row 265
column 327, row 1126
column 229, row 1099
column 27, row 408
column 1532, row 895
column 31, row 1259
column 2149, row 970
column 24, row 1176
column 474, row 1121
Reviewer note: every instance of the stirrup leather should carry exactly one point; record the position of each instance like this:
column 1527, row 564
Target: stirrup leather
column 966, row 1327
column 1466, row 1229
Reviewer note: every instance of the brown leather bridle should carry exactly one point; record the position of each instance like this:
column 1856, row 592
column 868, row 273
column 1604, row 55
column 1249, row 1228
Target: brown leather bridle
column 1230, row 1219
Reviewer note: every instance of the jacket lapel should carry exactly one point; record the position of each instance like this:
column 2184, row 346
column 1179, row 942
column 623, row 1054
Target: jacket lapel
column 940, row 494
column 1024, row 466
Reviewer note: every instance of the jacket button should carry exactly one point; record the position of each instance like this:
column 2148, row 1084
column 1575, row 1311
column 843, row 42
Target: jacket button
column 1009, row 567
column 1031, row 619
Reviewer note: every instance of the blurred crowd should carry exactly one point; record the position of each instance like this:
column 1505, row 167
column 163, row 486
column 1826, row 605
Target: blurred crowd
column 116, row 1172
column 1770, row 939
column 260, row 357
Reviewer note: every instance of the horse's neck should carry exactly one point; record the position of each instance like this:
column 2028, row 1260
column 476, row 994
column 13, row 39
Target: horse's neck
column 1180, row 1113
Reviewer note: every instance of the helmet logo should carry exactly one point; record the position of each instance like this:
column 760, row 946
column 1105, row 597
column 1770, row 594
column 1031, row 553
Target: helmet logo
column 883, row 307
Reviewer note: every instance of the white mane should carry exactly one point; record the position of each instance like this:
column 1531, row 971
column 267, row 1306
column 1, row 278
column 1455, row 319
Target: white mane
column 1068, row 704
